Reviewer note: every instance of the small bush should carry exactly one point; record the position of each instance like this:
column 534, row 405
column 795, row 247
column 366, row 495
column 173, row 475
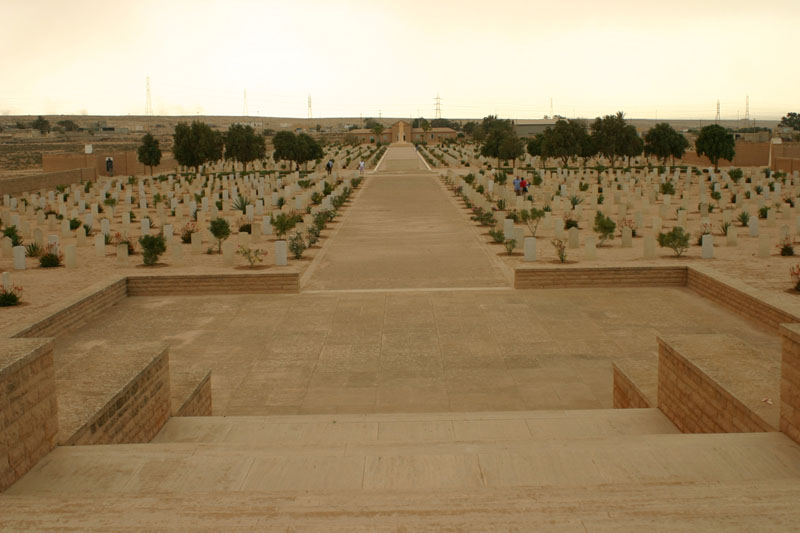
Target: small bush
column 245, row 228
column 744, row 218
column 50, row 257
column 724, row 227
column 570, row 222
column 786, row 246
column 297, row 246
column 33, row 250
column 676, row 239
column 705, row 229
column 241, row 203
column 667, row 188
column 12, row 233
column 282, row 223
column 313, row 236
column 736, row 174
column 510, row 245
column 604, row 227
column 497, row 236
column 74, row 223
column 561, row 249
column 152, row 247
column 11, row 296
column 763, row 212
column 252, row 255
column 221, row 230
column 316, row 198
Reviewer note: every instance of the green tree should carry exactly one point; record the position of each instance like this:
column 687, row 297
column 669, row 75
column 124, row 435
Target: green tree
column 377, row 128
column 469, row 128
column 196, row 144
column 662, row 142
column 41, row 124
column 614, row 137
column 221, row 230
column 791, row 120
column 244, row 145
column 511, row 148
column 68, row 125
column 535, row 147
column 495, row 133
column 715, row 142
column 149, row 152
column 308, row 149
column 284, row 144
column 564, row 140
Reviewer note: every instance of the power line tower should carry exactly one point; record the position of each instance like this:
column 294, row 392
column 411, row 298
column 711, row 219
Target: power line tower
column 244, row 104
column 747, row 108
column 148, row 103
column 438, row 108
column 716, row 119
column 309, row 106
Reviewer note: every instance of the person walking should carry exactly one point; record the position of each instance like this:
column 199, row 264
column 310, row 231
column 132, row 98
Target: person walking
column 523, row 186
column 361, row 167
column 516, row 186
column 329, row 166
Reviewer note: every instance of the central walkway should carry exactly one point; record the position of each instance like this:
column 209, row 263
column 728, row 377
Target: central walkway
column 404, row 231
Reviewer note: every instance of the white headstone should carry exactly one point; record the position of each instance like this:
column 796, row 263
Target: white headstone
column 753, row 226
column 281, row 250
column 99, row 245
column 627, row 237
column 590, row 247
column 708, row 246
column 228, row 249
column 19, row 257
column 649, row 247
column 71, row 256
column 530, row 249
column 197, row 243
column 122, row 254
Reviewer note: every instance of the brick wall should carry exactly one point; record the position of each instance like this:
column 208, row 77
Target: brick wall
column 125, row 163
column 136, row 413
column 626, row 394
column 738, row 300
column 277, row 283
column 695, row 403
column 74, row 314
column 198, row 403
column 790, row 381
column 28, row 408
column 48, row 180
column 569, row 277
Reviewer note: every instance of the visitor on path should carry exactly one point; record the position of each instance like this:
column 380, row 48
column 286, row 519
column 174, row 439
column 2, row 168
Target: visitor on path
column 329, row 166
column 523, row 186
column 516, row 186
column 110, row 166
column 361, row 167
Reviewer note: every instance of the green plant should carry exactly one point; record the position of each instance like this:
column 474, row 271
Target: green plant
column 510, row 244
column 119, row 238
column 763, row 212
column 282, row 224
column 241, row 203
column 87, row 187
column 186, row 232
column 736, row 174
column 297, row 245
column 570, row 222
column 667, row 188
column 532, row 217
column 152, row 247
column 107, row 238
column 724, row 227
column 281, row 202
column 705, row 229
column 561, row 249
column 316, row 198
column 11, row 296
column 221, row 230
column 33, row 250
column 501, row 205
column 245, row 228
column 743, row 218
column 74, row 223
column 786, row 246
column 583, row 187
column 50, row 257
column 676, row 239
column 252, row 255
column 604, row 227
column 321, row 219
column 313, row 235
column 12, row 233
column 111, row 202
column 497, row 236
column 575, row 200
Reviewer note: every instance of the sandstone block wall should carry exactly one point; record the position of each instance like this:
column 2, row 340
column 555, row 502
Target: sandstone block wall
column 790, row 381
column 626, row 394
column 272, row 283
column 738, row 301
column 695, row 403
column 47, row 180
column 567, row 277
column 28, row 407
column 136, row 413
column 78, row 312
column 199, row 401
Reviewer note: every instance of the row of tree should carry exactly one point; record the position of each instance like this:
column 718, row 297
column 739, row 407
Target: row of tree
column 196, row 144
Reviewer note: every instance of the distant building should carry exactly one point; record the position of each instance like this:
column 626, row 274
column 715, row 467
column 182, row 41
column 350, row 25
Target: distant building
column 530, row 127
column 401, row 131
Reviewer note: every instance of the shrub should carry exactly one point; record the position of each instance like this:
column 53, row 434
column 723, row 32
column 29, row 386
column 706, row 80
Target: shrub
column 12, row 233
column 221, row 230
column 510, row 244
column 321, row 219
column 241, row 203
column 786, row 246
column 316, row 198
column 561, row 249
column 676, row 239
column 50, row 257
column 667, row 188
column 297, row 246
column 111, row 202
column 11, row 296
column 575, row 200
column 282, row 224
column 252, row 255
column 186, row 232
column 33, row 250
column 313, row 236
column 152, row 247
column 736, row 174
column 74, row 223
column 763, row 212
column 604, row 227
column 583, row 187
column 724, row 227
column 497, row 236
column 501, row 205
column 743, row 218
column 245, row 228
column 570, row 222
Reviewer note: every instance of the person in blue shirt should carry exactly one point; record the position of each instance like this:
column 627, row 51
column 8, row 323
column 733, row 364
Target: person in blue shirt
column 516, row 186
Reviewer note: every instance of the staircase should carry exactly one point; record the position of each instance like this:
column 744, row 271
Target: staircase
column 431, row 470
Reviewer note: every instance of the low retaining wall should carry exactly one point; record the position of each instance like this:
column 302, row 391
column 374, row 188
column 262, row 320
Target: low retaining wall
column 89, row 305
column 136, row 413
column 188, row 285
column 28, row 407
column 790, row 381
column 567, row 277
column 695, row 403
column 738, row 301
column 47, row 180
column 198, row 403
column 626, row 394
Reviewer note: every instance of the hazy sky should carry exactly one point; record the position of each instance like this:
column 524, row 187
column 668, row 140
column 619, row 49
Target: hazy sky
column 509, row 57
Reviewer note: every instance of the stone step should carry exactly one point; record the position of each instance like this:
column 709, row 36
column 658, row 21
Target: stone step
column 701, row 506
column 422, row 427
column 446, row 466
